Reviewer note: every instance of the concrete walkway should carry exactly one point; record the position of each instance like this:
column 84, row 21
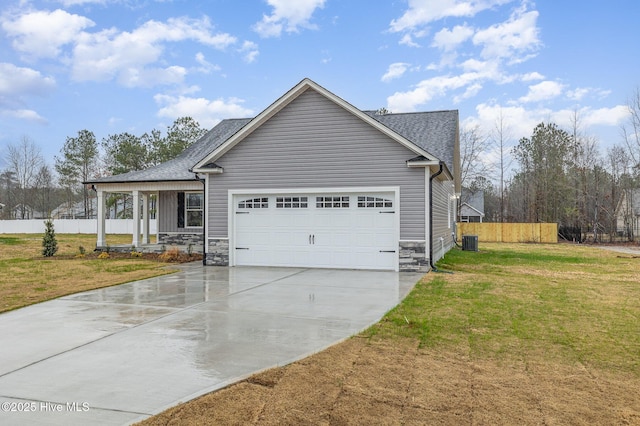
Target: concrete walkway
column 120, row 354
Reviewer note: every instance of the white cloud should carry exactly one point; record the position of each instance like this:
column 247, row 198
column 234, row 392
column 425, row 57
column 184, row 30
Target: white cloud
column 24, row 114
column 581, row 92
column 613, row 116
column 150, row 77
column 407, row 40
column 18, row 81
column 287, row 15
column 69, row 3
column 469, row 92
column 43, row 33
column 447, row 39
column 207, row 112
column 543, row 91
column 250, row 51
column 205, row 66
column 521, row 121
column 396, row 70
column 429, row 89
column 515, row 39
column 531, row 76
column 422, row 12
column 125, row 55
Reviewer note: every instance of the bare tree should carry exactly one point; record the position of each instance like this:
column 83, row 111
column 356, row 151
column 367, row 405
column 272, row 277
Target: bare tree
column 501, row 136
column 631, row 131
column 472, row 145
column 24, row 160
column 43, row 190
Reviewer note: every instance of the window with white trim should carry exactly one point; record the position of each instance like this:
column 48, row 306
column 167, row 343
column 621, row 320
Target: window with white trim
column 292, row 202
column 194, row 208
column 332, row 201
column 254, row 203
column 373, row 202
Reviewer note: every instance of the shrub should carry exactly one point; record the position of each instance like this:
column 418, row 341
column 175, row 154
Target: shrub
column 171, row 255
column 82, row 250
column 49, row 242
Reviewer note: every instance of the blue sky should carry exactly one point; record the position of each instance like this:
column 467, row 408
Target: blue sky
column 112, row 66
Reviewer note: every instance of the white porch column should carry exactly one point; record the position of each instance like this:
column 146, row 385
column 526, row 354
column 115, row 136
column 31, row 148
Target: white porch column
column 145, row 218
column 157, row 210
column 101, row 219
column 136, row 219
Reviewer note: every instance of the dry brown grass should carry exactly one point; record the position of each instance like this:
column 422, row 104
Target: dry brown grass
column 26, row 277
column 520, row 335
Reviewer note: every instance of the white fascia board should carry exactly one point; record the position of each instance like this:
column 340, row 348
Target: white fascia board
column 285, row 100
column 185, row 185
column 210, row 171
column 425, row 163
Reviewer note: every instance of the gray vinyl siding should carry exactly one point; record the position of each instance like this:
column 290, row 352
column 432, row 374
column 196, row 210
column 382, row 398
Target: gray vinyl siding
column 168, row 218
column 443, row 217
column 313, row 143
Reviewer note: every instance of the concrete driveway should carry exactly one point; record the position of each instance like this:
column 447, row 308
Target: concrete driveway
column 121, row 354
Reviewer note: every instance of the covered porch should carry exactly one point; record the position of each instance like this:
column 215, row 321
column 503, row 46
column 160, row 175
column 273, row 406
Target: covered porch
column 167, row 232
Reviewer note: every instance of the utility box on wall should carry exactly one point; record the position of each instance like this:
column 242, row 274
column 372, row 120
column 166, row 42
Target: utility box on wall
column 470, row 242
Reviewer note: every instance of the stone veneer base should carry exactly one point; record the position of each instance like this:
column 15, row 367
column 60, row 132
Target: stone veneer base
column 413, row 257
column 218, row 253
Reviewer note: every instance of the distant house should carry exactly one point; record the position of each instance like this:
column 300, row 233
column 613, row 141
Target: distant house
column 311, row 181
column 628, row 214
column 75, row 210
column 25, row 211
column 471, row 206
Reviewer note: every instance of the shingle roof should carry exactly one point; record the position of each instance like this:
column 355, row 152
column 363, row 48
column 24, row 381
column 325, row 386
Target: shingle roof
column 435, row 132
column 474, row 199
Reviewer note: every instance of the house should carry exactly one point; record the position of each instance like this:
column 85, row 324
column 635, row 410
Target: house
column 628, row 214
column 311, row 181
column 471, row 205
column 25, row 211
column 74, row 210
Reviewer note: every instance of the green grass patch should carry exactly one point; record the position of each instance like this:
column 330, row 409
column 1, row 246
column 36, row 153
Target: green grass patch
column 9, row 241
column 529, row 303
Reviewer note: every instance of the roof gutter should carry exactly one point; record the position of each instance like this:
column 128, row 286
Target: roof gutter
column 431, row 178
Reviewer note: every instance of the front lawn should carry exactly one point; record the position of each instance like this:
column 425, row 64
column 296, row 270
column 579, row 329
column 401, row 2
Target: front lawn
column 519, row 334
column 26, row 277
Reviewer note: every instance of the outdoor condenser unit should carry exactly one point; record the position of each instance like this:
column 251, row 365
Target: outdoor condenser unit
column 470, row 242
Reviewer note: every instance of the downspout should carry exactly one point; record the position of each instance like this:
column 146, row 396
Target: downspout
column 204, row 219
column 431, row 178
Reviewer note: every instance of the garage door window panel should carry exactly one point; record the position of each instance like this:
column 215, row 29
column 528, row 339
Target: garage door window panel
column 373, row 202
column 332, row 201
column 254, row 203
column 292, row 202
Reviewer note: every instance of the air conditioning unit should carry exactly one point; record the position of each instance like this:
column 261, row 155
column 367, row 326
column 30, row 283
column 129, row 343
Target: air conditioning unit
column 470, row 242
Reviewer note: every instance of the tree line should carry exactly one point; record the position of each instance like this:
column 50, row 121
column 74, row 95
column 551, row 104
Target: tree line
column 556, row 175
column 29, row 184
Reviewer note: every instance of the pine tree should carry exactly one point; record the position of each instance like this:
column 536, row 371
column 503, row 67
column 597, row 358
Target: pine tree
column 49, row 242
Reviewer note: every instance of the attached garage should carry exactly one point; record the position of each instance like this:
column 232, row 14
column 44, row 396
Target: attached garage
column 331, row 228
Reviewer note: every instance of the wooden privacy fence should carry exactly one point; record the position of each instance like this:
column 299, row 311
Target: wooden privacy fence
column 510, row 232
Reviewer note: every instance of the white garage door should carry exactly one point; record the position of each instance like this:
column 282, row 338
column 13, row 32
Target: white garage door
column 324, row 230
